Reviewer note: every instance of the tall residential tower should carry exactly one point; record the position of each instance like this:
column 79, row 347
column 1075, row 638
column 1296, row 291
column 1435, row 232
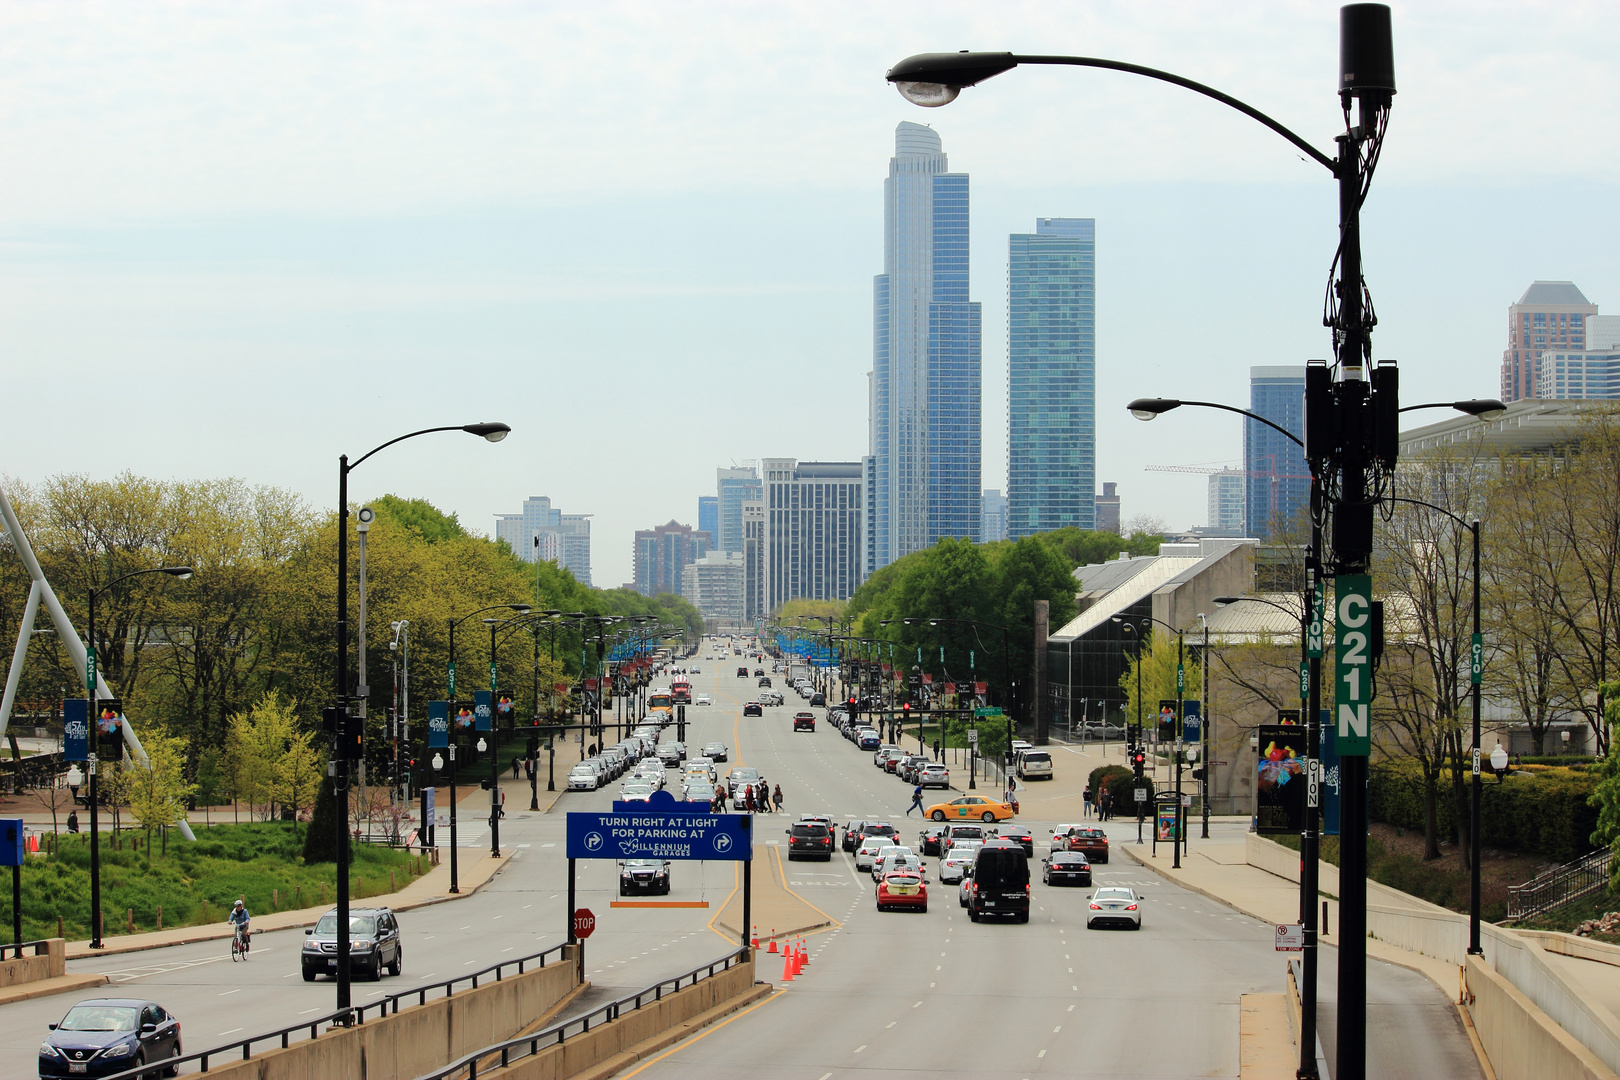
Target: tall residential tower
column 1278, row 482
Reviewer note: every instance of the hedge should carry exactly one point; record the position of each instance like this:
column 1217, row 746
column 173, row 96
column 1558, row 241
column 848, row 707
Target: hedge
column 1546, row 813
column 1121, row 783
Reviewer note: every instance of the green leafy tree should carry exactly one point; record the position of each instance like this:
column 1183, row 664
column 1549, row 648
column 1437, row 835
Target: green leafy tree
column 157, row 788
column 320, row 842
column 1158, row 665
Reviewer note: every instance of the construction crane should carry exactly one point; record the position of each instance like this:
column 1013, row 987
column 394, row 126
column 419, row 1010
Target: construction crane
column 1271, row 475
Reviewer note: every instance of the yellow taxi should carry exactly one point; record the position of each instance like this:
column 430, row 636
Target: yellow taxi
column 970, row 807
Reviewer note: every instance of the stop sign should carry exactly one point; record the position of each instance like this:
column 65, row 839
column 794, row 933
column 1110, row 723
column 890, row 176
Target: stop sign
column 584, row 923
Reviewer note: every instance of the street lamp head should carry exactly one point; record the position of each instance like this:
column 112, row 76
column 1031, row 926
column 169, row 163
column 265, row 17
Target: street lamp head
column 934, row 79
column 1222, row 601
column 494, row 432
column 521, row 609
column 551, row 612
column 1499, row 758
column 181, row 572
column 490, row 620
column 1484, row 408
column 1146, row 408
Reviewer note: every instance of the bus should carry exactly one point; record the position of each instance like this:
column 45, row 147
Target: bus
column 660, row 700
column 682, row 690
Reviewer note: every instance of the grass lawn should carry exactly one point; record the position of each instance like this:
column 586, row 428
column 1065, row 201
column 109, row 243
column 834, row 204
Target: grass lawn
column 193, row 884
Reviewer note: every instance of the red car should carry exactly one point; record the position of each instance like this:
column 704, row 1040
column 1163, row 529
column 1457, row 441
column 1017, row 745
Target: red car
column 902, row 889
column 1092, row 841
column 804, row 721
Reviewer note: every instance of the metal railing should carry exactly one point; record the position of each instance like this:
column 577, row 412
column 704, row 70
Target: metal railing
column 529, row 1045
column 354, row 1015
column 1560, row 885
column 41, row 948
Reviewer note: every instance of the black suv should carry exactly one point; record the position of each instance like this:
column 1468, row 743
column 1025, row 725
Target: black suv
column 999, row 883
column 811, row 839
column 373, row 944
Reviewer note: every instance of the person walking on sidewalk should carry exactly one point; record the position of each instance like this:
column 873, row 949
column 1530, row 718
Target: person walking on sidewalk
column 1106, row 809
column 776, row 798
column 748, row 798
column 916, row 801
column 1085, row 797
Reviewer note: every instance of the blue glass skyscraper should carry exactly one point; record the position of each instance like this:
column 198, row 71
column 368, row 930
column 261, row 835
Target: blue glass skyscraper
column 1277, row 488
column 925, row 419
column 1052, row 377
column 709, row 515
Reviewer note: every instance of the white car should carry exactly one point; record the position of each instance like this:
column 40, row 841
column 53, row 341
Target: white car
column 867, row 853
column 702, row 699
column 583, row 778
column 698, row 671
column 957, row 860
column 892, row 858
column 1115, row 905
column 636, row 791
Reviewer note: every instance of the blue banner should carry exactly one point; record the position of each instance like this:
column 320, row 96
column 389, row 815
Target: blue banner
column 661, row 833
column 481, row 709
column 1192, row 719
column 75, row 729
column 13, row 850
column 438, row 724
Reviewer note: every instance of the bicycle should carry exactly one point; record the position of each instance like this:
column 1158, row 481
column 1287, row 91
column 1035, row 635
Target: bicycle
column 239, row 944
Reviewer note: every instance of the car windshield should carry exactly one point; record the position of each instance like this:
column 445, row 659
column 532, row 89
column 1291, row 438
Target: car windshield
column 643, row 864
column 1092, row 834
column 637, row 789
column 100, row 1018
column 745, row 774
column 809, row 830
column 1114, row 894
column 361, row 925
column 902, row 879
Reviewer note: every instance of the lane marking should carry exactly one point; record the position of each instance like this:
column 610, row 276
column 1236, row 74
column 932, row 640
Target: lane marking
column 859, row 1048
column 705, row 1033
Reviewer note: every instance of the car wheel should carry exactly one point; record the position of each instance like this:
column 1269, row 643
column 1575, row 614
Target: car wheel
column 1022, row 916
column 398, row 963
column 973, row 915
column 924, row 909
column 938, row 815
column 309, row 975
column 987, row 816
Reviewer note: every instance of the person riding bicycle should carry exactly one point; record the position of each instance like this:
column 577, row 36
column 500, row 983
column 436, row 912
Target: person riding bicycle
column 240, row 919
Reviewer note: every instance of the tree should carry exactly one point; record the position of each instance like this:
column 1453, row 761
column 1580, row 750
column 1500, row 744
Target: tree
column 157, row 788
column 320, row 842
column 1158, row 664
column 298, row 774
column 258, row 747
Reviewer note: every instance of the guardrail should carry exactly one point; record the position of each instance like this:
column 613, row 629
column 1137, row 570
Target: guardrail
column 528, row 1045
column 41, row 948
column 355, row 1014
column 1560, row 885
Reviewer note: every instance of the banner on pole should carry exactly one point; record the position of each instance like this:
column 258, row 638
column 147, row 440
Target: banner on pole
column 438, row 724
column 1281, row 782
column 75, row 729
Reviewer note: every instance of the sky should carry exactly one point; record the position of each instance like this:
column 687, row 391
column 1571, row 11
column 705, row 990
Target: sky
column 244, row 238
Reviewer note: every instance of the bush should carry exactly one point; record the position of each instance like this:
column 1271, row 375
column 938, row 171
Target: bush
column 1545, row 812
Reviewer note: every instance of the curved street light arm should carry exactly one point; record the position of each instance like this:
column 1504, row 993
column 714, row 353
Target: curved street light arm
column 482, row 429
column 1156, row 406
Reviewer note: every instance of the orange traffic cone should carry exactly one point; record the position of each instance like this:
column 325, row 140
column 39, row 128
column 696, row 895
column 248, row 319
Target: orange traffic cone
column 804, row 956
column 773, row 942
column 753, row 942
column 798, row 961
column 787, row 967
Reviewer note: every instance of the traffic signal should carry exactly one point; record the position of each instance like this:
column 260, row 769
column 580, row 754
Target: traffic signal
column 1138, row 760
column 854, row 708
column 331, row 719
column 1198, row 773
column 354, row 737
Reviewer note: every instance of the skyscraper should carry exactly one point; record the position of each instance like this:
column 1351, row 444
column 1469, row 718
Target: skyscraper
column 1051, row 377
column 1107, row 505
column 925, row 417
column 564, row 539
column 1550, row 315
column 1278, row 485
column 709, row 514
column 1226, row 500
column 992, row 516
column 663, row 552
column 814, row 520
column 735, row 487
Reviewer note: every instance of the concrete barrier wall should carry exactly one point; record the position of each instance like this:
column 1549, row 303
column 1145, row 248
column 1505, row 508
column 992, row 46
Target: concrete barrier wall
column 600, row 1044
column 1572, row 945
column 1440, row 934
column 1524, row 964
column 1522, row 1042
column 36, row 968
column 419, row 1038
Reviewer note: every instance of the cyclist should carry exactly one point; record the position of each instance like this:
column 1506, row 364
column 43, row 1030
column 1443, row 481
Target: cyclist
column 239, row 918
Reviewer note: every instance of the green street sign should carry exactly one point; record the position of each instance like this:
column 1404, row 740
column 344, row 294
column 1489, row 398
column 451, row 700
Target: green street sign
column 90, row 671
column 451, row 678
column 1181, row 679
column 1304, row 680
column 988, row 710
column 1476, row 661
column 492, row 676
column 1353, row 653
column 1313, row 629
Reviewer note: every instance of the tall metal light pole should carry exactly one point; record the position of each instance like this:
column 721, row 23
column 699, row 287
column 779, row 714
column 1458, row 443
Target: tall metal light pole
column 90, row 677
column 347, row 730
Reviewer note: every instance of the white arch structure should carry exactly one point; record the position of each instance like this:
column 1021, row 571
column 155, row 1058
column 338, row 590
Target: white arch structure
column 40, row 589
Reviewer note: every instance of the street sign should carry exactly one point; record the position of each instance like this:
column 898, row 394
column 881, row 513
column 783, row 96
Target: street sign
column 660, row 832
column 1476, row 660
column 1313, row 783
column 584, row 923
column 1313, row 630
column 1186, row 800
column 1290, row 937
column 1353, row 652
column 986, row 710
column 1141, row 794
column 973, row 737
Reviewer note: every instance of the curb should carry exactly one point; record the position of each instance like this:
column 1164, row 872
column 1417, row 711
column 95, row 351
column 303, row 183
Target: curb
column 45, row 987
column 642, row 1050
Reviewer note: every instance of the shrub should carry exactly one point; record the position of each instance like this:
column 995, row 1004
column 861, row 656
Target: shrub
column 1546, row 812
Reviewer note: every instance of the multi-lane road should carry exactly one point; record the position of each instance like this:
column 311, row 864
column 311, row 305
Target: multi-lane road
column 892, row 993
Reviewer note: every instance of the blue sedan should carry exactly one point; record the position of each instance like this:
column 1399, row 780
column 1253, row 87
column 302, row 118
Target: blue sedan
column 103, row 1036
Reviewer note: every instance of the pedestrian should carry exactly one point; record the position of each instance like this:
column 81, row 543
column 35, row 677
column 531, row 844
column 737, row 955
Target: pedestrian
column 717, row 805
column 1107, row 810
column 916, row 801
column 936, row 747
column 778, row 798
column 748, row 798
column 517, row 763
column 503, row 802
column 1085, row 797
column 73, row 821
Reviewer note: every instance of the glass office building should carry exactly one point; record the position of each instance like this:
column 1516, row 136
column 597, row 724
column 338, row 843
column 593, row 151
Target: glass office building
column 1277, row 489
column 925, row 391
column 735, row 486
column 1052, row 377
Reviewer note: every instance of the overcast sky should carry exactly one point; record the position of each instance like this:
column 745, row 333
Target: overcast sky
column 243, row 238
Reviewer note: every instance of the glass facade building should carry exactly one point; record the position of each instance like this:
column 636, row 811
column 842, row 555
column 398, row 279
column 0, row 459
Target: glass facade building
column 735, row 487
column 814, row 530
column 709, row 514
column 1277, row 488
column 1551, row 315
column 1052, row 377
column 663, row 553
column 992, row 516
column 544, row 532
column 926, row 382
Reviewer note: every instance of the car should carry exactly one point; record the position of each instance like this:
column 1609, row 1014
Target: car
column 753, row 708
column 930, row 839
column 373, row 944
column 759, row 672
column 1019, row 835
column 738, row 783
column 868, row 739
column 102, row 1036
column 1000, row 882
column 583, row 777
column 1115, row 905
column 811, row 839
column 714, row 751
column 882, row 829
column 955, row 862
column 764, row 681
column 852, row 833
column 698, row 791
column 742, row 673
column 818, row 698
column 696, row 670
column 1034, row 764
column 1066, row 868
column 648, row 876
column 1019, row 746
column 867, row 853
column 804, row 721
column 636, row 791
column 902, row 889
column 887, row 756
column 702, row 699
column 934, row 774
column 956, row 834
column 670, row 753
column 970, row 807
column 895, row 857
column 1087, row 838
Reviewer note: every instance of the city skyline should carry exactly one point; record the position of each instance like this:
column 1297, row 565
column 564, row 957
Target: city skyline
column 448, row 250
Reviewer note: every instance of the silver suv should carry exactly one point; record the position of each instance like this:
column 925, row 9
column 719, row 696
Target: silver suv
column 373, row 944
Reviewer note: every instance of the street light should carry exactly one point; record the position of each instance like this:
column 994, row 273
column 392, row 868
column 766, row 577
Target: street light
column 1484, row 408
column 91, row 677
column 345, row 731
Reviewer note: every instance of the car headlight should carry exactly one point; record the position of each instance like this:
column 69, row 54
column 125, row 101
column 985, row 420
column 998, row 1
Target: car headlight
column 47, row 1050
column 120, row 1050
column 361, row 946
column 311, row 946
